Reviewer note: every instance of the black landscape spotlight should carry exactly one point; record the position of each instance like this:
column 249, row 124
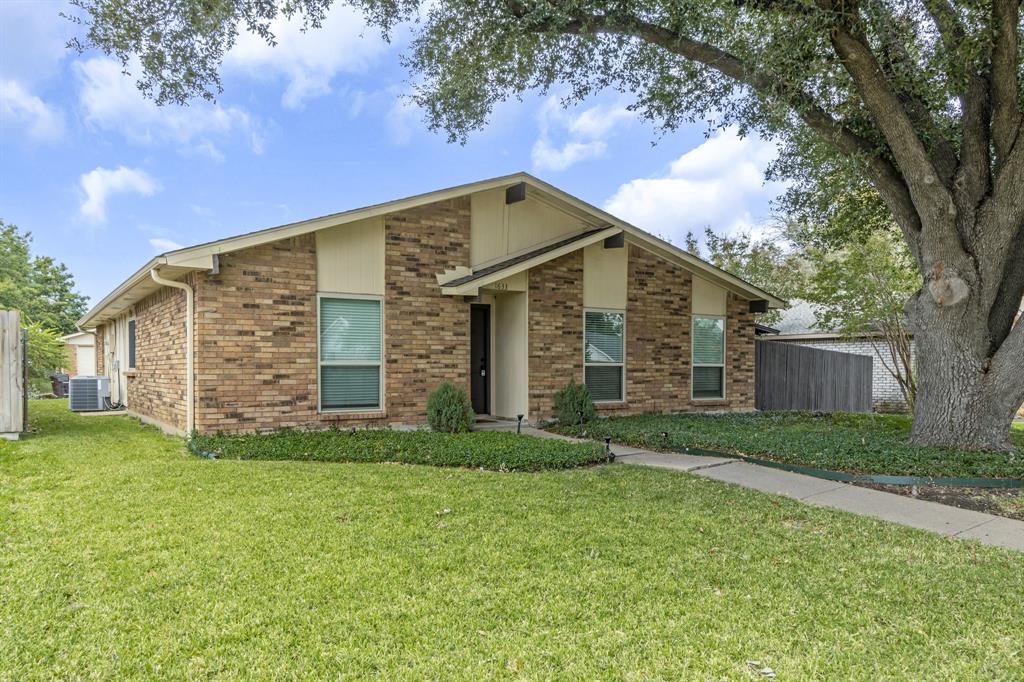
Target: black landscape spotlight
column 608, row 448
column 519, row 423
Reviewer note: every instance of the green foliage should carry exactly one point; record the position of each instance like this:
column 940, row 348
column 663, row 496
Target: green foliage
column 485, row 450
column 863, row 288
column 765, row 263
column 46, row 352
column 39, row 287
column 859, row 443
column 573, row 404
column 122, row 558
column 449, row 409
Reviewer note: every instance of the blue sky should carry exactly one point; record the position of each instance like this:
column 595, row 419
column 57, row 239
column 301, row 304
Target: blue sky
column 105, row 179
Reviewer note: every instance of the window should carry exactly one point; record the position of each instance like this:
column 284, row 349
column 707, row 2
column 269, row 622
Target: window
column 603, row 367
column 708, row 357
column 350, row 353
column 131, row 344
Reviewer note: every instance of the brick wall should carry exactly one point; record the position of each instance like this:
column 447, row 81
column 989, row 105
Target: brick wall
column 256, row 339
column 885, row 391
column 657, row 334
column 156, row 388
column 426, row 334
column 658, row 325
column 555, row 321
column 256, row 328
column 101, row 351
column 739, row 354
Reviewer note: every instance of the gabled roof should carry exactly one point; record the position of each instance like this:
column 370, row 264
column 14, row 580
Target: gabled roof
column 178, row 263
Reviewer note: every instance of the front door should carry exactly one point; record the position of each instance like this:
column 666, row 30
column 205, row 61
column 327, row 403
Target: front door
column 480, row 357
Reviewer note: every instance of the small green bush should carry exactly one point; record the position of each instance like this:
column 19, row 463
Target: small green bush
column 480, row 449
column 572, row 401
column 449, row 410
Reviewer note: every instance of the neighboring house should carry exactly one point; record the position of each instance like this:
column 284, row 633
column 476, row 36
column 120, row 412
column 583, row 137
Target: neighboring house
column 81, row 348
column 799, row 325
column 507, row 287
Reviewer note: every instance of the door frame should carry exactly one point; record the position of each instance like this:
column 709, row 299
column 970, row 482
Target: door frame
column 488, row 340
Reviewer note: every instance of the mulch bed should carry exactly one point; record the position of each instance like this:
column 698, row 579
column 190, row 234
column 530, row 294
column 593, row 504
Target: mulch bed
column 1001, row 502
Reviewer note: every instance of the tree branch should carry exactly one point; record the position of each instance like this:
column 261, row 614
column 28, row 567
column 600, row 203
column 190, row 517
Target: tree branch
column 1006, row 115
column 926, row 188
column 885, row 177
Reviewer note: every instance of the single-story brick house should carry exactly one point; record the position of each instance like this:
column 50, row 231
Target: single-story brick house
column 508, row 287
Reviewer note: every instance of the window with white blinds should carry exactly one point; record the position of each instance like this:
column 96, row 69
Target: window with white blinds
column 708, row 343
column 350, row 353
column 603, row 352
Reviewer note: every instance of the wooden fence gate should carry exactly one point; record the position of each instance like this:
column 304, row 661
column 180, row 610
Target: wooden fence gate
column 791, row 377
column 13, row 381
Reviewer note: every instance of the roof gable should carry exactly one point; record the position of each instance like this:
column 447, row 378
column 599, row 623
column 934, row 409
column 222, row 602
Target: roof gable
column 200, row 257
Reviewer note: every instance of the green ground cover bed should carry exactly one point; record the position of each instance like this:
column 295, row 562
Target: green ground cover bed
column 481, row 449
column 123, row 556
column 858, row 443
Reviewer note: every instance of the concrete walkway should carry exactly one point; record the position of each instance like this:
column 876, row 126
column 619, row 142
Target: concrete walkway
column 938, row 518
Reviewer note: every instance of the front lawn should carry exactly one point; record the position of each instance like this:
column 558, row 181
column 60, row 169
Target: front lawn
column 858, row 443
column 123, row 556
column 481, row 449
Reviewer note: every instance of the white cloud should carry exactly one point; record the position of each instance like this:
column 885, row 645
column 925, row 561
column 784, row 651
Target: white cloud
column 585, row 134
column 161, row 245
column 719, row 184
column 100, row 183
column 33, row 38
column 111, row 101
column 41, row 121
column 310, row 60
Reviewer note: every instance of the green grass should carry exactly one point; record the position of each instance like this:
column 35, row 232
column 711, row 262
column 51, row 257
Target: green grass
column 124, row 557
column 859, row 443
column 484, row 450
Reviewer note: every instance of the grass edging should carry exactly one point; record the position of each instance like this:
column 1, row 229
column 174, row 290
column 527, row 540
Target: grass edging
column 493, row 451
column 856, row 444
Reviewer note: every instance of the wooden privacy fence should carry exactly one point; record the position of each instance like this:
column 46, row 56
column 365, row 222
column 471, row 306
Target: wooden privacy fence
column 791, row 377
column 12, row 375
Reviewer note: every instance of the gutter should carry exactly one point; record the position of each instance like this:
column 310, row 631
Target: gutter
column 190, row 385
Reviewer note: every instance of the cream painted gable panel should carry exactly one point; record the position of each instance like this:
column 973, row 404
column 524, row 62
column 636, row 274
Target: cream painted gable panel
column 488, row 231
column 499, row 230
column 350, row 258
column 604, row 277
column 708, row 299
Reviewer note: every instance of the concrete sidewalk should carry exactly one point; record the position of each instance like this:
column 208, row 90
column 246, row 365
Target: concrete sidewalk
column 938, row 518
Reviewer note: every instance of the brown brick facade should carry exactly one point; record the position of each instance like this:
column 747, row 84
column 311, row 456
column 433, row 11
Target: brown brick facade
column 658, row 299
column 256, row 334
column 156, row 387
column 256, row 339
column 555, row 321
column 658, row 324
column 101, row 351
column 426, row 334
column 739, row 349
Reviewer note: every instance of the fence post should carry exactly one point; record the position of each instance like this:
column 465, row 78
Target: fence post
column 13, row 382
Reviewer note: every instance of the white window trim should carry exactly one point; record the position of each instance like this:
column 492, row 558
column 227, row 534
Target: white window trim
column 694, row 364
column 620, row 365
column 319, row 363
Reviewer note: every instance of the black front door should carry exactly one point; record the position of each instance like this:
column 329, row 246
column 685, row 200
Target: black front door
column 480, row 357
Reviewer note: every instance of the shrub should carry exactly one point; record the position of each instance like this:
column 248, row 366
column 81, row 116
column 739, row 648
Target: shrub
column 572, row 401
column 449, row 409
column 486, row 450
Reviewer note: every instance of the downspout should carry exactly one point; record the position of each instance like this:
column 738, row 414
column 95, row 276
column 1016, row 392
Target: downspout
column 190, row 418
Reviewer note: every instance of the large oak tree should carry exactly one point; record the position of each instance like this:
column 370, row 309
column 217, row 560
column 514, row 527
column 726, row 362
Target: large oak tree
column 921, row 99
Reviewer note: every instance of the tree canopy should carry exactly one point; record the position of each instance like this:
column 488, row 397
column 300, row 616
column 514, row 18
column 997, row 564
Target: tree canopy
column 42, row 289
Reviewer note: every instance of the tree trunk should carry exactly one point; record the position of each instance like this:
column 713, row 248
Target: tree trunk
column 957, row 404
